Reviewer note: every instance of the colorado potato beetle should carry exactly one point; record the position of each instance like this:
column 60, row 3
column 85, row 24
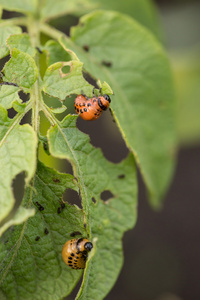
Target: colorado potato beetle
column 75, row 252
column 91, row 108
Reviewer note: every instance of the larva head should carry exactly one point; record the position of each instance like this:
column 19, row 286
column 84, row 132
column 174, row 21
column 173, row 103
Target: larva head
column 84, row 245
column 104, row 102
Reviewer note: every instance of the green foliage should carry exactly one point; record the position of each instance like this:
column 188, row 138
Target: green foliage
column 121, row 56
column 43, row 272
column 187, row 76
column 5, row 32
column 147, row 90
column 18, row 144
column 144, row 11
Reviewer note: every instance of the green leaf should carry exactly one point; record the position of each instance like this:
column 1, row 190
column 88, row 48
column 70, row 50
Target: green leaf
column 17, row 154
column 60, row 83
column 105, row 221
column 19, row 5
column 8, row 94
column 21, row 216
column 21, row 42
column 130, row 59
column 186, row 69
column 59, row 110
column 56, row 52
column 52, row 9
column 30, row 256
column 144, row 11
column 21, row 69
column 105, row 88
column 5, row 32
column 18, row 106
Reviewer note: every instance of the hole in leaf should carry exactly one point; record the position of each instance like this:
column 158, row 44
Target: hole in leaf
column 106, row 135
column 3, row 61
column 18, row 191
column 25, row 97
column 106, row 195
column 63, row 24
column 11, row 113
column 66, row 69
column 70, row 196
column 18, row 188
column 89, row 79
column 27, row 118
column 11, row 14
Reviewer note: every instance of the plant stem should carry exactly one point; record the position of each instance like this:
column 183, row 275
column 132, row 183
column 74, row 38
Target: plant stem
column 51, row 31
column 14, row 21
column 49, row 115
column 33, row 29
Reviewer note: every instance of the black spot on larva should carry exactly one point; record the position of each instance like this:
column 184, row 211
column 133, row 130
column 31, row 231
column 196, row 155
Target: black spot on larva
column 80, row 104
column 94, row 200
column 73, row 234
column 46, row 231
column 86, row 48
column 77, row 257
column 70, row 265
column 85, row 109
column 121, row 176
column 37, row 238
column 70, row 257
column 83, row 103
column 75, row 260
column 94, row 100
column 72, row 254
column 77, row 110
column 56, row 180
column 81, row 111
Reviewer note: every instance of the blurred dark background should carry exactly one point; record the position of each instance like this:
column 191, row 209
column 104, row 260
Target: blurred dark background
column 161, row 254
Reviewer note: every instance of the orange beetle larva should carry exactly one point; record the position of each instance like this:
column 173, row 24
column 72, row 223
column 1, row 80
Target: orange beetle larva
column 75, row 252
